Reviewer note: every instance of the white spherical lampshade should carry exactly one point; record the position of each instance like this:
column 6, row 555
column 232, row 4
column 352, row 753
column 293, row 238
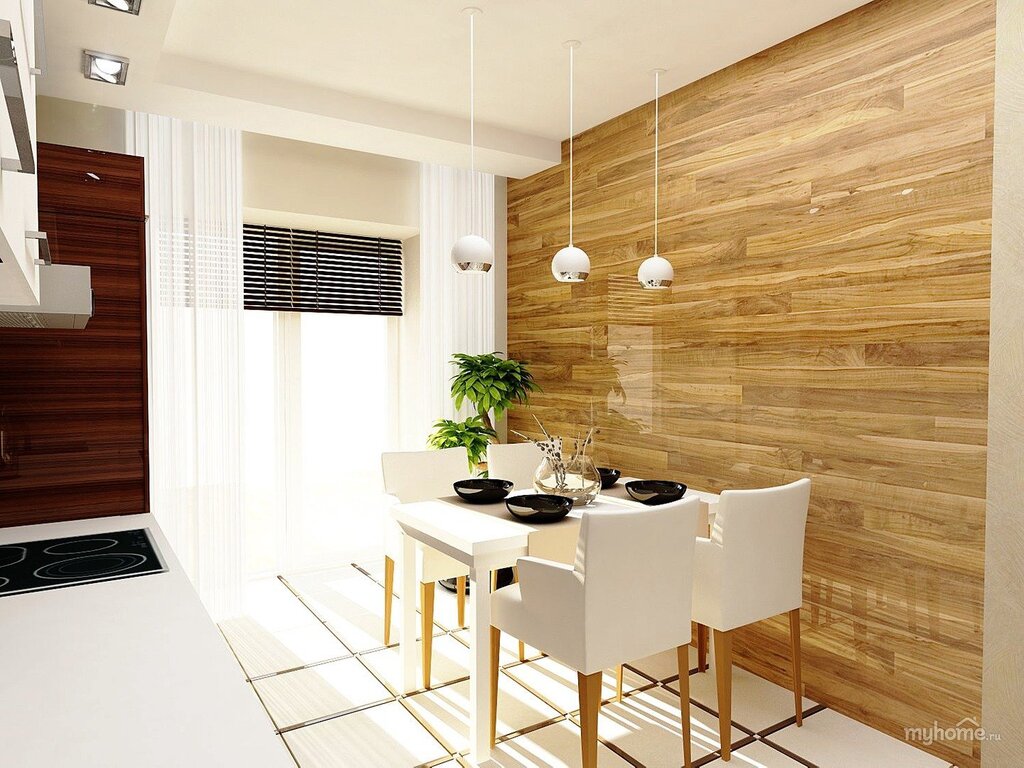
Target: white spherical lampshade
column 471, row 253
column 655, row 272
column 571, row 265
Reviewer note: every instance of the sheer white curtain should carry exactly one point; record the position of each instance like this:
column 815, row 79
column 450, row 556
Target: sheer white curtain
column 194, row 268
column 456, row 311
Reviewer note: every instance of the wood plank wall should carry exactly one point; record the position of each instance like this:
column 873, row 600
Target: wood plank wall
column 73, row 403
column 827, row 206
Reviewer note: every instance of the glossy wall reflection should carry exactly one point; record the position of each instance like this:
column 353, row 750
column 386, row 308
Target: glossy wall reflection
column 826, row 205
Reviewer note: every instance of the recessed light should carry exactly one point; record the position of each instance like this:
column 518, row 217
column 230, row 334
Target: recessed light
column 814, row 210
column 104, row 67
column 907, row 191
column 124, row 6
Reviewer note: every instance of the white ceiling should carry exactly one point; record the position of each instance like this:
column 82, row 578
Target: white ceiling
column 391, row 76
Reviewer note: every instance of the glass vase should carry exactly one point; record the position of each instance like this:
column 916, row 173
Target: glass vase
column 579, row 480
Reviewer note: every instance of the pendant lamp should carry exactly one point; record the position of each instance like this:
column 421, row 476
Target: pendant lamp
column 472, row 254
column 656, row 272
column 571, row 264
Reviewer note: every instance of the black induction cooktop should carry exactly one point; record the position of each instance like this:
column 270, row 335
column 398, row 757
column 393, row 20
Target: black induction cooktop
column 33, row 566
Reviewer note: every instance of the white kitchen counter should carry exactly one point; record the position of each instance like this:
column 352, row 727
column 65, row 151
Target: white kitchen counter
column 129, row 672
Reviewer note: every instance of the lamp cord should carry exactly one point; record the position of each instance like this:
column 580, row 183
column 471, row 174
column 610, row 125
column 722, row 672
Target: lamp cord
column 472, row 121
column 657, row 94
column 572, row 61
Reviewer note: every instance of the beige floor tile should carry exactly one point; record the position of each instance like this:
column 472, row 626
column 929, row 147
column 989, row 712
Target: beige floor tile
column 554, row 746
column 261, row 651
column 834, row 740
column 273, row 606
column 352, row 605
column 757, row 755
column 557, row 684
column 306, row 694
column 451, row 661
column 446, row 710
column 365, row 631
column 664, row 665
column 756, row 703
column 509, row 647
column 375, row 568
column 345, row 591
column 380, row 737
column 647, row 727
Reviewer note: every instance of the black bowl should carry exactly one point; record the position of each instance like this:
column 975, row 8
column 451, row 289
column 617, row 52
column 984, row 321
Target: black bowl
column 539, row 507
column 655, row 492
column 483, row 490
column 609, row 477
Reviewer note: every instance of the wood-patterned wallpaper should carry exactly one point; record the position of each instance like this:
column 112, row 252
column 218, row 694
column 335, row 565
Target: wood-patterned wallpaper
column 73, row 403
column 827, row 206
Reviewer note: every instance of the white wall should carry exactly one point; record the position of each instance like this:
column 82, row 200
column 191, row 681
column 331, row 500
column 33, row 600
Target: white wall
column 316, row 186
column 77, row 124
column 1002, row 705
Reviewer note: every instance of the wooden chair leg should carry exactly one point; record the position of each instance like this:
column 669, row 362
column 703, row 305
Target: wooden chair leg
column 683, row 660
column 702, row 648
column 495, row 655
column 618, row 683
column 723, row 675
column 427, row 627
column 590, row 706
column 460, row 599
column 389, row 595
column 794, row 644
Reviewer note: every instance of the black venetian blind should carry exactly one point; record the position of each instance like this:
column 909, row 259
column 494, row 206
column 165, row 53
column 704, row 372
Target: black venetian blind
column 297, row 270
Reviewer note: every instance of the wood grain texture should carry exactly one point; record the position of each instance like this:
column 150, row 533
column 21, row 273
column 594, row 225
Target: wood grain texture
column 73, row 403
column 827, row 207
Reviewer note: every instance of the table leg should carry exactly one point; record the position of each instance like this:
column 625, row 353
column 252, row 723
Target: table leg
column 407, row 649
column 480, row 679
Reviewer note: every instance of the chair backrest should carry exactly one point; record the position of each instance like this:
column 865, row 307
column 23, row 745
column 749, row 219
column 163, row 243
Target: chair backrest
column 761, row 533
column 637, row 573
column 514, row 461
column 423, row 475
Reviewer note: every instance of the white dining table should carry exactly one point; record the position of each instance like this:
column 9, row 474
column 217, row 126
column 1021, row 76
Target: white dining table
column 486, row 537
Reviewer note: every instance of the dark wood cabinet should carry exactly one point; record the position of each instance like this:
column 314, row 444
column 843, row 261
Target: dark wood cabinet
column 73, row 403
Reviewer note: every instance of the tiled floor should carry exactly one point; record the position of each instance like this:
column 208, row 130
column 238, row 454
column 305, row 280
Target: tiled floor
column 311, row 645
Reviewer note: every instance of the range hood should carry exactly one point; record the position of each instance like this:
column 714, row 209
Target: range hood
column 65, row 300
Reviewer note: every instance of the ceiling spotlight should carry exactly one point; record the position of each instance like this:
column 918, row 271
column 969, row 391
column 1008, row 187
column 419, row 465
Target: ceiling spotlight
column 104, row 67
column 124, row 6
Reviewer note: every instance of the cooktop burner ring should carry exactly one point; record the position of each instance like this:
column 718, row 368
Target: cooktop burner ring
column 80, row 546
column 12, row 557
column 4, row 581
column 105, row 564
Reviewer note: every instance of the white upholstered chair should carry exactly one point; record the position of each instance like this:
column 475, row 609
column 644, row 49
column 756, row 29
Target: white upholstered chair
column 514, row 461
column 419, row 476
column 590, row 616
column 751, row 568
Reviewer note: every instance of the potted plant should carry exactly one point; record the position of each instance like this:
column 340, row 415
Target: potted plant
column 472, row 434
column 491, row 383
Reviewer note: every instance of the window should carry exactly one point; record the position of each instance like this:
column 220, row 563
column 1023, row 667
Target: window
column 297, row 270
column 317, row 419
column 317, row 399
